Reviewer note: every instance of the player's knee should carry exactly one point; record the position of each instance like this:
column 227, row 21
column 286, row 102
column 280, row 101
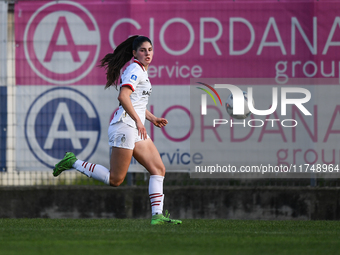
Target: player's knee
column 114, row 182
column 161, row 170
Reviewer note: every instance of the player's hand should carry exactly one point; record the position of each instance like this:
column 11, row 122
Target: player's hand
column 141, row 130
column 160, row 122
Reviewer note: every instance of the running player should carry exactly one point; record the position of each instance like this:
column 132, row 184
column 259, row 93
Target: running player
column 127, row 133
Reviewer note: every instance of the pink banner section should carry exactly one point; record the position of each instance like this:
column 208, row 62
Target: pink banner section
column 61, row 42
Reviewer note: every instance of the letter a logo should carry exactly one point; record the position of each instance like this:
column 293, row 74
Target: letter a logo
column 71, row 47
column 62, row 42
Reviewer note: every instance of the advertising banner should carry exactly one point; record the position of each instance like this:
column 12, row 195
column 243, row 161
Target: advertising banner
column 59, row 45
column 3, row 83
column 56, row 119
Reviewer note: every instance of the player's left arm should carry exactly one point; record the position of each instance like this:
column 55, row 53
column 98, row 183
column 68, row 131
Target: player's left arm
column 158, row 122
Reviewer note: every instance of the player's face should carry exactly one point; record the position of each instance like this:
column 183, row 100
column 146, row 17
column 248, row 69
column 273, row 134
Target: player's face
column 144, row 54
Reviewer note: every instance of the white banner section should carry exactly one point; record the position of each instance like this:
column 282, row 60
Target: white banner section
column 53, row 120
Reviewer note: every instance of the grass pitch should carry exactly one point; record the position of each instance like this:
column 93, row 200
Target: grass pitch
column 114, row 236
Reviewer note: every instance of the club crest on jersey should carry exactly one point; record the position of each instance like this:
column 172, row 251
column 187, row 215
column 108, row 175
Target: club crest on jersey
column 133, row 78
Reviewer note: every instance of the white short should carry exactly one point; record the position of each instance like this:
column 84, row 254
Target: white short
column 122, row 135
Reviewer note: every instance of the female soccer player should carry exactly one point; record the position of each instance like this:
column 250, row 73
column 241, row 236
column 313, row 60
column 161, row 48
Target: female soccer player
column 127, row 134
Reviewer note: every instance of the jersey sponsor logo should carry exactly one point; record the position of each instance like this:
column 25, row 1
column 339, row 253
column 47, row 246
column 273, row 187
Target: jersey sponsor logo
column 133, row 78
column 62, row 30
column 60, row 120
column 146, row 92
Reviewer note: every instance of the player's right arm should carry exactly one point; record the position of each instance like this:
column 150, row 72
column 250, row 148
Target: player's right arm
column 124, row 99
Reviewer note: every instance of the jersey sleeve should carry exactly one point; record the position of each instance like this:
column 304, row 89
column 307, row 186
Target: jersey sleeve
column 131, row 76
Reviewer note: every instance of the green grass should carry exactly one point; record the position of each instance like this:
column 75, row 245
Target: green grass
column 114, row 236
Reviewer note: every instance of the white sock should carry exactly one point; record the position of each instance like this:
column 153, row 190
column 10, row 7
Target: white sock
column 156, row 194
column 97, row 172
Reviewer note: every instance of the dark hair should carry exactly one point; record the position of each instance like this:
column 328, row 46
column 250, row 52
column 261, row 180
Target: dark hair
column 114, row 62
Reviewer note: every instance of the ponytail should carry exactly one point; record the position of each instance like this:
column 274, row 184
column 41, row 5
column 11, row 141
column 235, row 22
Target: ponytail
column 114, row 62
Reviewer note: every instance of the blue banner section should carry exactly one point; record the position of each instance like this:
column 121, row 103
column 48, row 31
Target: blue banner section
column 3, row 127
